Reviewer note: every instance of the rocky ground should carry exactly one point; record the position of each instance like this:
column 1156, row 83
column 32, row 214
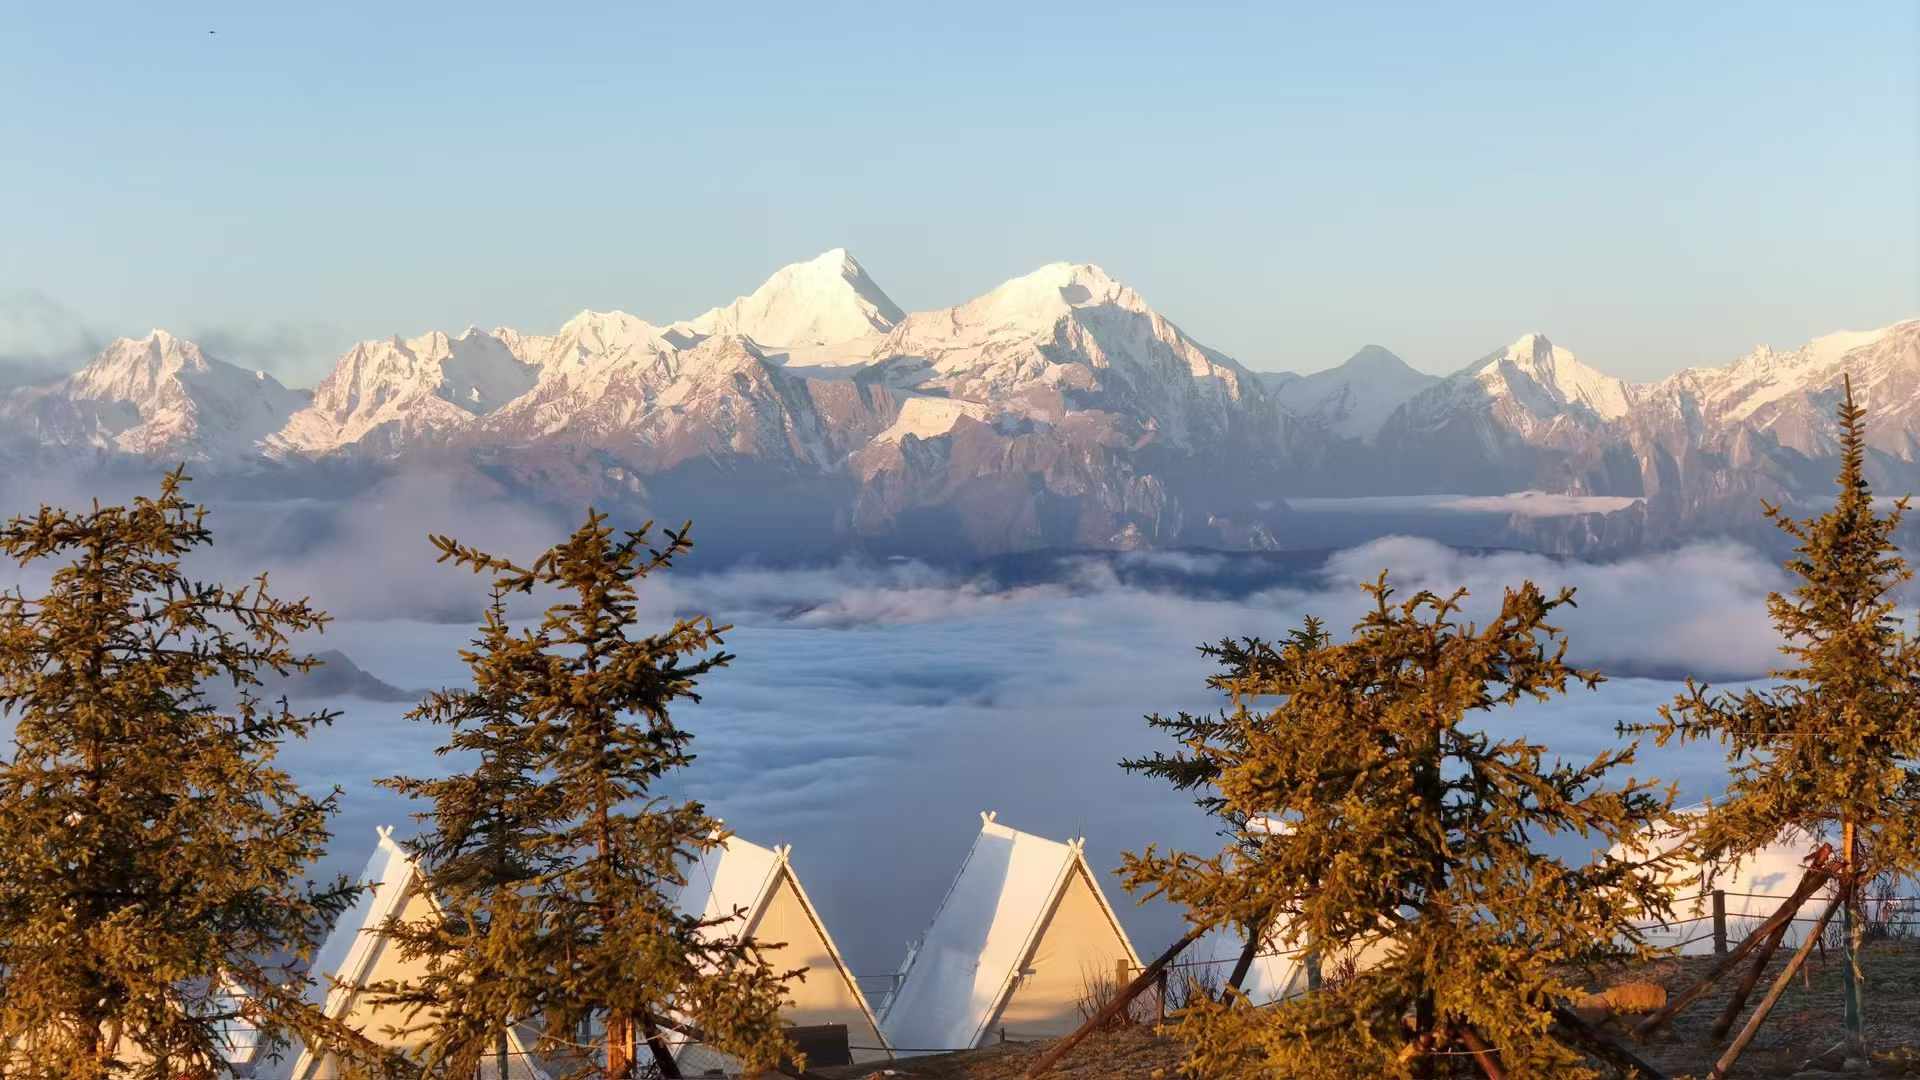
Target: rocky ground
column 1804, row 1025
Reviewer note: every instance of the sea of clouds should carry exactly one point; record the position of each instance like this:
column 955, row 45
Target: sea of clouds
column 873, row 709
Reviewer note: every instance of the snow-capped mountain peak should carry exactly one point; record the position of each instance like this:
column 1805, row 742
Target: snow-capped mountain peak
column 1056, row 409
column 1546, row 379
column 1788, row 392
column 1377, row 359
column 827, row 299
column 1040, row 298
column 135, row 369
column 1065, row 337
column 408, row 387
column 1355, row 398
column 160, row 394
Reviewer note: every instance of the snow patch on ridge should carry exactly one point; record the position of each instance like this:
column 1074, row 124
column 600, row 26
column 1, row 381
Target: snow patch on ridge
column 930, row 417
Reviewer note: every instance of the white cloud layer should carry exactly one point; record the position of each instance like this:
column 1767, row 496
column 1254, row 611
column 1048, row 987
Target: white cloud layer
column 1521, row 503
column 874, row 709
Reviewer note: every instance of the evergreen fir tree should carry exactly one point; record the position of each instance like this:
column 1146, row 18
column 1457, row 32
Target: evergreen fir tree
column 151, row 854
column 595, row 934
column 479, row 856
column 1205, row 739
column 1834, row 744
column 1367, row 815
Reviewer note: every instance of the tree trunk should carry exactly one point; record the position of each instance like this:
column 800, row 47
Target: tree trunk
column 500, row 1058
column 619, row 1040
column 1432, row 792
column 619, row 1024
column 1853, row 929
column 1425, row 1037
column 1245, row 963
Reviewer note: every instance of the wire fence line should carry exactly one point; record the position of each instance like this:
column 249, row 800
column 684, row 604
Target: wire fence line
column 1656, row 924
column 1725, row 933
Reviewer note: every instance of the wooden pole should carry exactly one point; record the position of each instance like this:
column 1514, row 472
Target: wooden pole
column 1815, row 876
column 1778, row 988
column 1719, row 922
column 663, row 1059
column 1482, row 1054
column 1747, row 982
column 1119, row 1002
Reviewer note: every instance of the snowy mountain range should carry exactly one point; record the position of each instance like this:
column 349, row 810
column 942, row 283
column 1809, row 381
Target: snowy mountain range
column 1057, row 410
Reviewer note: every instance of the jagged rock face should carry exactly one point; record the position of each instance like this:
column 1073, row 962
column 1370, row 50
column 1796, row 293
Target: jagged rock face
column 1069, row 339
column 1533, row 417
column 384, row 397
column 1526, row 417
column 1058, row 410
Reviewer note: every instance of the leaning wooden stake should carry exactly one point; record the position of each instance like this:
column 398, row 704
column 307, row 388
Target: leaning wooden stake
column 1815, row 877
column 1120, row 1001
column 664, row 1062
column 1584, row 1035
column 1747, row 982
column 693, row 1033
column 1482, row 1053
column 1778, row 988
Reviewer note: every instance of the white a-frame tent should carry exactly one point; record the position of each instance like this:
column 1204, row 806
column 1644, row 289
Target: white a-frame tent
column 1022, row 935
column 358, row 954
column 1278, row 971
column 1282, row 965
column 760, row 884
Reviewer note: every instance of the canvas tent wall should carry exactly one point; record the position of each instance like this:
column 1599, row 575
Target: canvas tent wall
column 241, row 1042
column 1023, row 931
column 1280, row 968
column 1754, row 887
column 1278, row 971
column 761, row 884
column 357, row 954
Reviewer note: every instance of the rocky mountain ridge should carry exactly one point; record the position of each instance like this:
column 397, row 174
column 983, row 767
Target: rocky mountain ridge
column 1056, row 410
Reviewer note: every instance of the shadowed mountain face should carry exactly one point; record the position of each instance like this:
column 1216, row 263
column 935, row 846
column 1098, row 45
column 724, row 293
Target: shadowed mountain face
column 336, row 676
column 1059, row 410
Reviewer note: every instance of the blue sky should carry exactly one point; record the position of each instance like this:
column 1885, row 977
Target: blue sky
column 1652, row 185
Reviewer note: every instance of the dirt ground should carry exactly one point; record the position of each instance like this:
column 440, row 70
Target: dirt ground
column 1124, row 1055
column 1806, row 1022
column 1802, row 1026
